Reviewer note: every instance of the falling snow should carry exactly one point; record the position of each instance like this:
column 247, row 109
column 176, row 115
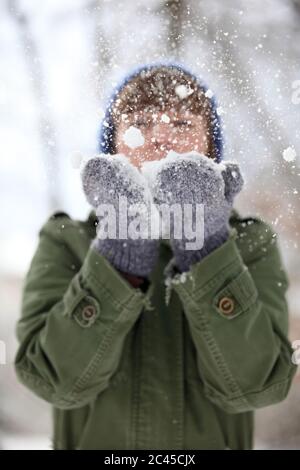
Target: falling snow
column 254, row 75
column 165, row 118
column 133, row 137
column 76, row 159
column 289, row 154
column 220, row 110
column 182, row 91
column 209, row 94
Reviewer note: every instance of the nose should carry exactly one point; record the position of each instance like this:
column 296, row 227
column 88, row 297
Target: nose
column 163, row 135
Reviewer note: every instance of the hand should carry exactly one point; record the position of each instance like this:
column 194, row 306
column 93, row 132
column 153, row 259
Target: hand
column 195, row 179
column 105, row 178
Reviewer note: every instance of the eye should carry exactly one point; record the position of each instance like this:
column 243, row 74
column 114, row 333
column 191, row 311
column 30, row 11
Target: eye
column 182, row 124
column 141, row 123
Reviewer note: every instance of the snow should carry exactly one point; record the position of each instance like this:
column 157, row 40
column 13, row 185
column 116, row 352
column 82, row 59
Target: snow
column 209, row 94
column 133, row 137
column 183, row 91
column 143, row 211
column 165, row 118
column 76, row 159
column 180, row 278
column 132, row 177
column 150, row 169
column 289, row 154
column 171, row 278
column 77, row 86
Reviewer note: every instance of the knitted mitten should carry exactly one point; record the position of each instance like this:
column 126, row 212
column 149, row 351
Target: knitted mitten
column 105, row 179
column 195, row 179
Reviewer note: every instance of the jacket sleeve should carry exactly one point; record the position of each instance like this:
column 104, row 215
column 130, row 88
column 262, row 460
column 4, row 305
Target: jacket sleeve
column 73, row 324
column 238, row 318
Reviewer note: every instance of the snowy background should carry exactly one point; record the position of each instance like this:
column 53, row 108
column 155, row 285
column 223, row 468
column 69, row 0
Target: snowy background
column 58, row 63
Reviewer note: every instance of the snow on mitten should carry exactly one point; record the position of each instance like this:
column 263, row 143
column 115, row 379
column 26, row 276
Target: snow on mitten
column 105, row 178
column 193, row 179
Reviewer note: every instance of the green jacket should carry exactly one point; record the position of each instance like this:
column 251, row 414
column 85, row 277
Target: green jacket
column 127, row 369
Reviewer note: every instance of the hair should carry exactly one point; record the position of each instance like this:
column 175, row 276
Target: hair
column 156, row 89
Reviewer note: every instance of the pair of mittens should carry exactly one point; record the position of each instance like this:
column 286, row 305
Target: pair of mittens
column 191, row 184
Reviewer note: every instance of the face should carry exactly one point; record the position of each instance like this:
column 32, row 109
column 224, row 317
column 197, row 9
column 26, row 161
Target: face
column 162, row 131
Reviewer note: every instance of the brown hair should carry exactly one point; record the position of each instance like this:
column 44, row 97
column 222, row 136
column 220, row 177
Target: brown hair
column 156, row 89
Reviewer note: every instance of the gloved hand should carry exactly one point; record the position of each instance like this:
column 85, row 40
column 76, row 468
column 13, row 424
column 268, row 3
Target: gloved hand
column 105, row 178
column 193, row 178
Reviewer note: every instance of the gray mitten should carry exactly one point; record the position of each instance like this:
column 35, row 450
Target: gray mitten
column 195, row 179
column 106, row 180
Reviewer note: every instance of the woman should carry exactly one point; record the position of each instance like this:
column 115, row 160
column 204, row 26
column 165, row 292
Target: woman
column 123, row 367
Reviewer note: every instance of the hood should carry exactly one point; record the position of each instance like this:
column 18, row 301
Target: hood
column 107, row 130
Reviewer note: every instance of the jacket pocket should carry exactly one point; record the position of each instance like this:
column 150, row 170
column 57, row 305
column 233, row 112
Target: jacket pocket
column 236, row 297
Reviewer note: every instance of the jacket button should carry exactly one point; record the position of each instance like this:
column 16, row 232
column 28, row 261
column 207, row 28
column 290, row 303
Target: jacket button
column 89, row 312
column 226, row 305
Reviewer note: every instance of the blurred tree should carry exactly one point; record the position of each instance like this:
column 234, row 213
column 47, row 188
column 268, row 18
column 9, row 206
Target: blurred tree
column 174, row 12
column 46, row 126
column 296, row 6
column 104, row 53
